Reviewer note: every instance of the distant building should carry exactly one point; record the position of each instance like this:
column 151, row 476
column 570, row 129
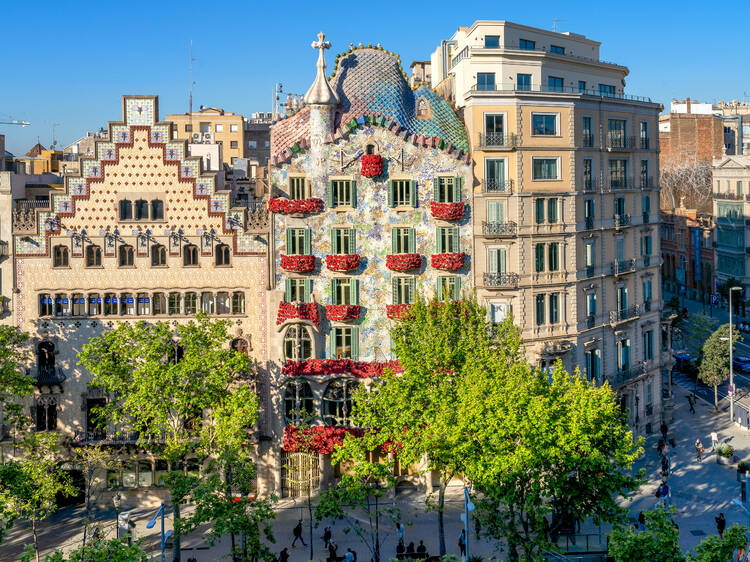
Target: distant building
column 39, row 160
column 258, row 142
column 687, row 249
column 421, row 73
column 209, row 125
column 690, row 131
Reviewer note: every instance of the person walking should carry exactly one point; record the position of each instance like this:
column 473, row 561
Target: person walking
column 691, row 401
column 699, row 450
column 664, row 430
column 714, row 440
column 326, row 536
column 298, row 534
column 641, row 521
column 284, row 555
column 332, row 548
column 721, row 524
column 400, row 530
column 664, row 465
column 349, row 556
column 462, row 543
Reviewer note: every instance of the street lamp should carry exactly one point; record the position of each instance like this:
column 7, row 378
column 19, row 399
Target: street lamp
column 731, row 364
column 117, row 502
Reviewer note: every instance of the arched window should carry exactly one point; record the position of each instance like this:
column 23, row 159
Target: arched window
column 60, row 256
column 176, row 353
column 45, row 304
column 158, row 255
column 222, row 254
column 45, row 360
column 207, row 303
column 238, row 302
column 126, row 210
column 298, row 402
column 159, row 304
column 126, row 256
column 190, row 255
column 222, row 302
column 423, row 109
column 337, row 402
column 157, row 210
column 297, row 343
column 141, row 210
column 93, row 256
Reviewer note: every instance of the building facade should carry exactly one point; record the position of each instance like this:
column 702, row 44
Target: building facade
column 687, row 249
column 691, row 131
column 371, row 204
column 565, row 211
column 212, row 125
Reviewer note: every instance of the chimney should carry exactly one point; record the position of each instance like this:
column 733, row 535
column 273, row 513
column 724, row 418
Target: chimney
column 687, row 102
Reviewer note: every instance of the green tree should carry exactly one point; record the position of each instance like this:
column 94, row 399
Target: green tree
column 714, row 368
column 29, row 486
column 437, row 344
column 92, row 459
column 660, row 541
column 14, row 383
column 113, row 550
column 695, row 330
column 181, row 388
column 717, row 549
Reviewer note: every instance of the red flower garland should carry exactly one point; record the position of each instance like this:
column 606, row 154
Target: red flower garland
column 447, row 211
column 403, row 262
column 449, row 261
column 302, row 310
column 322, row 367
column 342, row 262
column 318, row 438
column 397, row 311
column 343, row 312
column 372, row 165
column 290, row 206
column 298, row 263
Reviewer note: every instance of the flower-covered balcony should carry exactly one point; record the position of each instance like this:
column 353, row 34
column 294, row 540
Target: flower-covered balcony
column 295, row 206
column 343, row 312
column 452, row 261
column 447, row 211
column 403, row 262
column 342, row 262
column 299, row 264
column 298, row 310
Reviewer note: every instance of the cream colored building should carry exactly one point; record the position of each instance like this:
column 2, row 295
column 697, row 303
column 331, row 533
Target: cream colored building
column 212, row 125
column 565, row 202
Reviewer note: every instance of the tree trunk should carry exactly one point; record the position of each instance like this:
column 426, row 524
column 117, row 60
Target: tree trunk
column 176, row 555
column 89, row 477
column 716, row 397
column 441, row 522
column 36, row 539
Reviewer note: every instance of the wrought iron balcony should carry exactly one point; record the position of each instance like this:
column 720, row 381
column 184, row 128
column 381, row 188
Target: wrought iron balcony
column 589, row 271
column 646, row 182
column 589, row 223
column 496, row 140
column 47, row 375
column 587, row 140
column 590, row 321
column 626, row 373
column 624, row 314
column 498, row 186
column 645, row 143
column 617, row 141
column 622, row 266
column 589, row 183
column 621, row 220
column 106, row 437
column 646, row 260
column 501, row 280
column 646, row 217
column 493, row 228
column 615, row 182
column 730, row 196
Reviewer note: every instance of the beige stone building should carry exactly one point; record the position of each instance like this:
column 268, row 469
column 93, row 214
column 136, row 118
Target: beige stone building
column 565, row 202
column 210, row 125
column 142, row 234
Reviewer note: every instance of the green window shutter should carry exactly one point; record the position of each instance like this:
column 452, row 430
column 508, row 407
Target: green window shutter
column 390, row 193
column 412, row 290
column 413, row 193
column 287, row 290
column 308, row 251
column 394, row 291
column 435, row 189
column 332, row 343
column 501, row 260
column 457, row 288
column 355, row 343
column 493, row 261
column 354, row 193
column 355, row 291
column 457, row 185
column 288, row 239
column 334, row 291
column 334, row 247
column 439, row 239
column 394, row 240
column 412, row 242
column 440, row 288
column 330, row 193
column 493, row 214
column 308, row 290
column 352, row 249
column 454, row 239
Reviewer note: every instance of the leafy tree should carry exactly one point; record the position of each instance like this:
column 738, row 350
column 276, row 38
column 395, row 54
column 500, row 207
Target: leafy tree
column 714, row 368
column 695, row 330
column 437, row 344
column 14, row 383
column 660, row 540
column 181, row 388
column 29, row 486
column 717, row 549
column 113, row 550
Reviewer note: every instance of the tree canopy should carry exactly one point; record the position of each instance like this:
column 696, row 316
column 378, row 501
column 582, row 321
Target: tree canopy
column 714, row 368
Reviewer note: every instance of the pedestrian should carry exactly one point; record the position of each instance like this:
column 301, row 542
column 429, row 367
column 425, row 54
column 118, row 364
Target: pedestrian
column 349, row 556
column 326, row 536
column 400, row 530
column 332, row 548
column 284, row 555
column 422, row 549
column 721, row 524
column 714, row 440
column 400, row 549
column 663, row 494
column 664, row 430
column 691, row 401
column 298, row 534
column 641, row 521
column 664, row 465
column 699, row 450
column 410, row 550
column 462, row 543
column 477, row 526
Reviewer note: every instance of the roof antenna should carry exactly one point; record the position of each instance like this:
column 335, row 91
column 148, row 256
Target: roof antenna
column 192, row 60
column 555, row 21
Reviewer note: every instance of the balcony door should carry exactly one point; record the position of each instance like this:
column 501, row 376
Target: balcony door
column 494, row 174
column 497, row 260
column 622, row 298
column 496, row 212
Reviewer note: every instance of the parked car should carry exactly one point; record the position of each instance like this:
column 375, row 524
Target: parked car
column 741, row 364
column 682, row 360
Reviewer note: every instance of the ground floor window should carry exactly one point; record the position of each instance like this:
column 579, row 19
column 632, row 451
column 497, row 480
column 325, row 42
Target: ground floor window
column 300, row 474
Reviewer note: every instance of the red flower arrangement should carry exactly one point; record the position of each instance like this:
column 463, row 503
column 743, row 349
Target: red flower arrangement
column 298, row 263
column 290, row 206
column 302, row 310
column 343, row 312
column 397, row 311
column 322, row 367
column 372, row 165
column 403, row 262
column 447, row 211
column 450, row 261
column 318, row 438
column 342, row 262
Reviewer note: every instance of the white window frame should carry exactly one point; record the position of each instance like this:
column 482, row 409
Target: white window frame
column 547, row 113
column 233, row 128
column 219, row 128
column 533, row 158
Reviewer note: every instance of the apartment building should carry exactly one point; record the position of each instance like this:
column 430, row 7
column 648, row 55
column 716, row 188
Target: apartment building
column 212, row 125
column 687, row 249
column 565, row 202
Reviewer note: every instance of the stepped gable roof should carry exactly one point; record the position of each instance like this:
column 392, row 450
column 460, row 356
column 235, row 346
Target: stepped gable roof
column 372, row 90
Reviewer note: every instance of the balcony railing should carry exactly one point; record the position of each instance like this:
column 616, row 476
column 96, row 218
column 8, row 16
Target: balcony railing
column 28, row 204
column 590, row 321
column 497, row 185
column 587, row 140
column 105, row 437
column 621, row 220
column 619, row 267
column 589, row 183
column 731, row 196
column 626, row 373
column 508, row 88
column 646, row 260
column 646, row 182
column 619, row 182
column 646, row 217
column 508, row 228
column 589, row 223
column 47, row 375
column 623, row 314
column 497, row 140
column 501, row 280
column 645, row 143
column 589, row 271
column 617, row 141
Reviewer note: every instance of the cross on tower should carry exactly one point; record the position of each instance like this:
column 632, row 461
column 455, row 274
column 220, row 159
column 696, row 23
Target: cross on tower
column 321, row 43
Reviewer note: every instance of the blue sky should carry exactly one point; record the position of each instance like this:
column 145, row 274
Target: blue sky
column 69, row 62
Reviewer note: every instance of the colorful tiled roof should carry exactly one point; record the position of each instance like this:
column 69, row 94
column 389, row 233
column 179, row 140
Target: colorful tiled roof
column 372, row 90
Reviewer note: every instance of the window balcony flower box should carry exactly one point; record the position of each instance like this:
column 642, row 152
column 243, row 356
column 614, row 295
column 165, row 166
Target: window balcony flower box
column 447, row 211
column 343, row 312
column 372, row 165
column 403, row 262
column 397, row 311
column 295, row 206
column 298, row 310
column 298, row 263
column 342, row 262
column 326, row 367
column 450, row 261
